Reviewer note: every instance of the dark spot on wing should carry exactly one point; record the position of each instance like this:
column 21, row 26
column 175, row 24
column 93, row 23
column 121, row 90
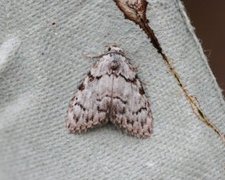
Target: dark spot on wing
column 98, row 99
column 133, row 81
column 101, row 110
column 117, row 97
column 81, row 106
column 81, row 87
column 91, row 77
column 130, row 122
column 75, row 118
column 141, row 90
column 139, row 110
column 98, row 77
column 73, row 98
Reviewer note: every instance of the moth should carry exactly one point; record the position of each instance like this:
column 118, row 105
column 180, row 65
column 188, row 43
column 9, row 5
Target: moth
column 111, row 92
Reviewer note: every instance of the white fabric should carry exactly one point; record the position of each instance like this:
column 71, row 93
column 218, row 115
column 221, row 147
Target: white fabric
column 41, row 63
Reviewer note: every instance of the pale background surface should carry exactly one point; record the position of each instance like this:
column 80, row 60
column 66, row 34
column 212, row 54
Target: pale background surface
column 41, row 64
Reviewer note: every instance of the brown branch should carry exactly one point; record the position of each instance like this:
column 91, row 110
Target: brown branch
column 135, row 10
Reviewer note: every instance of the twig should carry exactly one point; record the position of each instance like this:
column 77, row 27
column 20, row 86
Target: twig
column 135, row 10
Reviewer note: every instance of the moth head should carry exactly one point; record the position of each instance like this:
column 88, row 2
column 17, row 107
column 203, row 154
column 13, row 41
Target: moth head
column 115, row 57
column 114, row 48
column 114, row 65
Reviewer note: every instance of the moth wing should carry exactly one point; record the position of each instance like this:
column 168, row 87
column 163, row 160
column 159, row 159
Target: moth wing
column 131, row 108
column 89, row 107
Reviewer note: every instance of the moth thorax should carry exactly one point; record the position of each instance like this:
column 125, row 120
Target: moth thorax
column 114, row 65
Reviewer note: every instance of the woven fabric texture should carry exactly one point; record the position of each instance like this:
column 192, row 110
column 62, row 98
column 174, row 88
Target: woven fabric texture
column 42, row 47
